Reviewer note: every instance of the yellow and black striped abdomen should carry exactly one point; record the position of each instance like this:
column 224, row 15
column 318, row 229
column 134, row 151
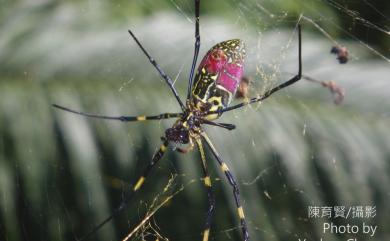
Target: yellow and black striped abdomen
column 207, row 94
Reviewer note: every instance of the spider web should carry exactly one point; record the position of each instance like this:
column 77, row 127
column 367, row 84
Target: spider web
column 272, row 58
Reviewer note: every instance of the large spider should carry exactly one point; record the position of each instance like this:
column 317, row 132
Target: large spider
column 208, row 97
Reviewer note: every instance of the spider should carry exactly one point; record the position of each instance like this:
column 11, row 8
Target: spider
column 341, row 52
column 209, row 94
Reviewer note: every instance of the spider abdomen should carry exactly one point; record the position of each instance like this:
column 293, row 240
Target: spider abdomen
column 218, row 76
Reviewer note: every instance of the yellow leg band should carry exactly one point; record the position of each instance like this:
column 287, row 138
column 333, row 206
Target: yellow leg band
column 141, row 118
column 206, row 234
column 207, row 181
column 241, row 213
column 224, row 167
column 138, row 185
column 163, row 148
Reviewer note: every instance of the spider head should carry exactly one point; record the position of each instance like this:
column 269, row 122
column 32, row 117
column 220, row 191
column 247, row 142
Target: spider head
column 177, row 134
column 180, row 131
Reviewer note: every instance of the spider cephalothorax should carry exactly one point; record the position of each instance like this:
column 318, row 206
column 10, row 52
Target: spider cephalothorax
column 184, row 128
column 187, row 127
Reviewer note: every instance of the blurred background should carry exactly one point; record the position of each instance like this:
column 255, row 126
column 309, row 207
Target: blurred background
column 60, row 174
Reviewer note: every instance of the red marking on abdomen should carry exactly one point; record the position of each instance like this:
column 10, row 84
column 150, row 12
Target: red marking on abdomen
column 213, row 61
column 230, row 76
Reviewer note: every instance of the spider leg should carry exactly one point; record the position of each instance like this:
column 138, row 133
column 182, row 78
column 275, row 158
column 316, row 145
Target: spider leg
column 167, row 79
column 275, row 89
column 121, row 118
column 222, row 125
column 210, row 195
column 196, row 51
column 233, row 183
column 130, row 194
